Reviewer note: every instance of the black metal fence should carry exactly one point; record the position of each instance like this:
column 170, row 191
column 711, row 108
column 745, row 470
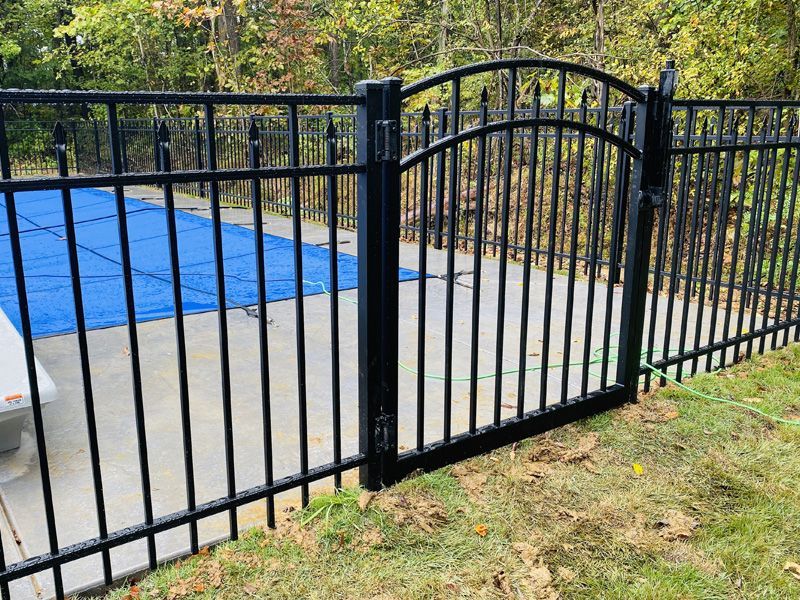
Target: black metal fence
column 583, row 240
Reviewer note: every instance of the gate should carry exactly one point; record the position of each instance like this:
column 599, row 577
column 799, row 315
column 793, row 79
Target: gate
column 574, row 190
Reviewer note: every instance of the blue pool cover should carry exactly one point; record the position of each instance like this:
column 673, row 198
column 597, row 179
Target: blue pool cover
column 47, row 275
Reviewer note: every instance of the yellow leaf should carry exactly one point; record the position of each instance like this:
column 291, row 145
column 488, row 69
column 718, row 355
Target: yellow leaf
column 638, row 469
column 481, row 529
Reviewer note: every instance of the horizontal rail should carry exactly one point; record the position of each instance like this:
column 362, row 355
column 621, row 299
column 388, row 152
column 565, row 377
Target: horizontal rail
column 722, row 345
column 491, row 437
column 128, row 179
column 735, row 147
column 175, row 519
column 746, row 103
column 100, row 97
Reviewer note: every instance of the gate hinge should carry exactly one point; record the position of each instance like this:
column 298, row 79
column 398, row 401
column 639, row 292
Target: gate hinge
column 652, row 198
column 387, row 140
column 385, row 438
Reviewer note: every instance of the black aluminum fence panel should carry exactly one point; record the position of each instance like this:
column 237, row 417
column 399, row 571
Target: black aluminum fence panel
column 189, row 155
column 725, row 258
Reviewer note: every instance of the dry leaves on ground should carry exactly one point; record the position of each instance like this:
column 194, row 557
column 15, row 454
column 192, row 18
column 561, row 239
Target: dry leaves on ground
column 676, row 526
column 539, row 579
column 793, row 569
column 289, row 529
column 208, row 575
column 548, row 450
column 470, row 479
column 417, row 510
column 649, row 410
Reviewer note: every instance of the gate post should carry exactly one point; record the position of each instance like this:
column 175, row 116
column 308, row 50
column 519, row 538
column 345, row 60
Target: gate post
column 378, row 123
column 652, row 137
column 389, row 152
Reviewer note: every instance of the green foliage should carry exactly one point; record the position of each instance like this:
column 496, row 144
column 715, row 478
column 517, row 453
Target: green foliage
column 724, row 48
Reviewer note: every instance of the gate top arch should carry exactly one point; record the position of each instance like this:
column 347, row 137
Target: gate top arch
column 521, row 63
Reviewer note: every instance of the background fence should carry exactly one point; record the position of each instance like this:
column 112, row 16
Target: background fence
column 668, row 227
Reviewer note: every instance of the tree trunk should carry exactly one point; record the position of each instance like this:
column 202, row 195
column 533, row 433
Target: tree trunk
column 334, row 64
column 792, row 89
column 598, row 7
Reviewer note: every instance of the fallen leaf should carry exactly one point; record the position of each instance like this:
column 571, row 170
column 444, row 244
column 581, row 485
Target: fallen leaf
column 481, row 529
column 199, row 588
column 638, row 469
column 364, row 500
column 501, row 582
column 133, row 593
column 793, row 569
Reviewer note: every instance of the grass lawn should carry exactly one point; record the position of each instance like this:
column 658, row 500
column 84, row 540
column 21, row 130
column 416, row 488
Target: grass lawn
column 674, row 497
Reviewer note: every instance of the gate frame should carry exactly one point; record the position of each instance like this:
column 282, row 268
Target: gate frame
column 378, row 127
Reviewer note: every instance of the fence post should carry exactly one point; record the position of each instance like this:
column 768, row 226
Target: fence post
column 378, row 238
column 652, row 131
column 389, row 150
column 369, row 281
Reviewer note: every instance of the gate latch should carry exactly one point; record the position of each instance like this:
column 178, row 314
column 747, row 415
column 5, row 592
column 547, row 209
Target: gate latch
column 384, row 432
column 387, row 140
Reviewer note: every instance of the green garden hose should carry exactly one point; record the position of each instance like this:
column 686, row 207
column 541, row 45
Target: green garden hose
column 597, row 358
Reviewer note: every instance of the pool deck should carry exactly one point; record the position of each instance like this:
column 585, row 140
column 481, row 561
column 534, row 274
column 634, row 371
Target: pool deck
column 22, row 524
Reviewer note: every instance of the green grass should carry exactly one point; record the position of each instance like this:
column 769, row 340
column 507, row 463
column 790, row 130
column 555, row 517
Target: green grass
column 589, row 528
